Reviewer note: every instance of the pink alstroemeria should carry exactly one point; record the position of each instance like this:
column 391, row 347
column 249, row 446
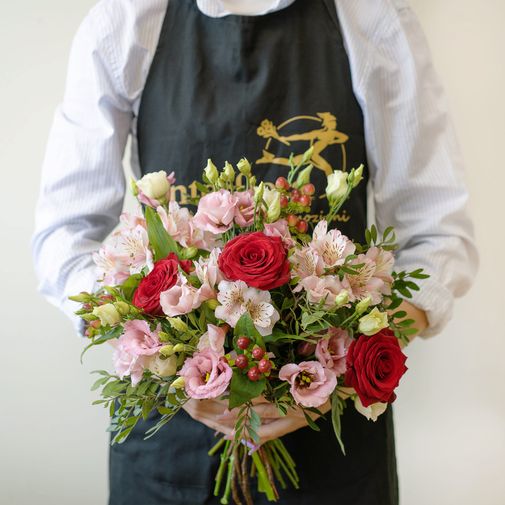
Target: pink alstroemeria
column 332, row 246
column 280, row 229
column 326, row 288
column 111, row 265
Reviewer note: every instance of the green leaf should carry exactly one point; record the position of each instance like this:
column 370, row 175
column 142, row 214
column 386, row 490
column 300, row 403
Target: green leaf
column 308, row 319
column 311, row 422
column 337, row 408
column 130, row 285
column 100, row 382
column 245, row 326
column 113, row 333
column 243, row 390
column 159, row 239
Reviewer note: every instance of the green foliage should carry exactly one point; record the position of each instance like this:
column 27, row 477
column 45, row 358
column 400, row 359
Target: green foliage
column 159, row 239
column 243, row 390
column 337, row 408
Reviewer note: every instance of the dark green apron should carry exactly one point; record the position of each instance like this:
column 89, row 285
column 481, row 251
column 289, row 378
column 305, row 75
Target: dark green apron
column 260, row 87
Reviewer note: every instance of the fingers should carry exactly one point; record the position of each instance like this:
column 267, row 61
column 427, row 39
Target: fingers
column 208, row 415
column 280, row 427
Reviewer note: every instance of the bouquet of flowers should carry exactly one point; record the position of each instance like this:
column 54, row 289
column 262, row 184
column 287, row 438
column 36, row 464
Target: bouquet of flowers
column 240, row 300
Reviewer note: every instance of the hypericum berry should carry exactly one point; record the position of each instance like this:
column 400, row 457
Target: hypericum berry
column 305, row 200
column 292, row 220
column 254, row 374
column 308, row 189
column 282, row 183
column 241, row 361
column 295, row 193
column 284, row 201
column 302, row 226
column 258, row 352
column 264, row 366
column 243, row 343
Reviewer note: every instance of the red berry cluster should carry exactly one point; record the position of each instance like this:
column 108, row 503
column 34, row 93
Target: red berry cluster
column 260, row 364
column 301, row 196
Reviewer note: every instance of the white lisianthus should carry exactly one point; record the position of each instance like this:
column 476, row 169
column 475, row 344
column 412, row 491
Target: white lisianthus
column 154, row 185
column 372, row 412
column 337, row 186
column 163, row 367
column 108, row 314
column 373, row 322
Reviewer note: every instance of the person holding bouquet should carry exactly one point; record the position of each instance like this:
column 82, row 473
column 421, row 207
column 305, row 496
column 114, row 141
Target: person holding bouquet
column 185, row 80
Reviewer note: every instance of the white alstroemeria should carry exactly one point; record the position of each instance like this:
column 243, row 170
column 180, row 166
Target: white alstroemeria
column 134, row 245
column 373, row 322
column 112, row 267
column 236, row 298
column 332, row 246
column 372, row 412
column 154, row 185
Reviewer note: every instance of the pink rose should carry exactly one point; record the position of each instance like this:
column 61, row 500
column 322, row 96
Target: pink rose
column 332, row 350
column 216, row 212
column 244, row 211
column 139, row 340
column 206, row 374
column 279, row 229
column 180, row 299
column 311, row 383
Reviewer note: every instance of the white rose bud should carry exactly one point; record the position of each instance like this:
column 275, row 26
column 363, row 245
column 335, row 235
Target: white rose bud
column 274, row 208
column 342, row 298
column 372, row 412
column 337, row 186
column 154, row 185
column 363, row 305
column 373, row 322
column 244, row 167
column 163, row 367
column 211, row 172
column 108, row 314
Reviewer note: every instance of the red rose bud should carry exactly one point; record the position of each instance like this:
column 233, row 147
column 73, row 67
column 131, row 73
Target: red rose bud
column 243, row 343
column 258, row 353
column 241, row 361
column 264, row 366
column 375, row 365
column 253, row 374
column 292, row 220
column 308, row 189
column 282, row 183
column 162, row 277
column 302, row 226
column 257, row 259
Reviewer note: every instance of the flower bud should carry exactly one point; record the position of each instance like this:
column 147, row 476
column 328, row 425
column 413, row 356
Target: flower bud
column 133, row 187
column 177, row 324
column 108, row 314
column 188, row 253
column 362, row 305
column 356, row 176
column 274, row 208
column 179, row 348
column 82, row 297
column 167, row 350
column 213, row 304
column 337, row 186
column 342, row 298
column 154, row 185
column 162, row 367
column 228, row 174
column 373, row 322
column 211, row 172
column 308, row 154
column 252, row 181
column 244, row 167
column 303, row 177
column 122, row 307
column 373, row 411
column 258, row 193
column 178, row 383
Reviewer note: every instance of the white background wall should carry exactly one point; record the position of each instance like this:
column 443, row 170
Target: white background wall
column 450, row 415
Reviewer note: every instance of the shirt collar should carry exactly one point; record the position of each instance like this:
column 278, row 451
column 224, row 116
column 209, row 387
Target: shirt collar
column 220, row 8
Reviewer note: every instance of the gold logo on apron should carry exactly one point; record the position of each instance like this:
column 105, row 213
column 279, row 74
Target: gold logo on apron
column 320, row 138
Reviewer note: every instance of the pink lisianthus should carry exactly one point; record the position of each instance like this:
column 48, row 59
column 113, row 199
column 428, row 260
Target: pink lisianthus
column 128, row 364
column 206, row 375
column 244, row 211
column 279, row 229
column 332, row 350
column 139, row 340
column 323, row 288
column 213, row 339
column 180, row 299
column 216, row 212
column 311, row 383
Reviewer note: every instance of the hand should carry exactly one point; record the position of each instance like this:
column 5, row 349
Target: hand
column 418, row 315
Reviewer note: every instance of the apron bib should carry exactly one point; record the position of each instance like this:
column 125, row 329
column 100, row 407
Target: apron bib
column 260, row 87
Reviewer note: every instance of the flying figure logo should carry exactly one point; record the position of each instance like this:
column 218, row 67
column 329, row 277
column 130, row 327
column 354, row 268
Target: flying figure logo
column 320, row 138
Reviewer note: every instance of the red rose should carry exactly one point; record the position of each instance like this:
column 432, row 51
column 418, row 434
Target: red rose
column 162, row 277
column 375, row 365
column 258, row 260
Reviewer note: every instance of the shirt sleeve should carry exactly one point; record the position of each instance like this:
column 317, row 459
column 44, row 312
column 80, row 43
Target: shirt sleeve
column 82, row 182
column 415, row 162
